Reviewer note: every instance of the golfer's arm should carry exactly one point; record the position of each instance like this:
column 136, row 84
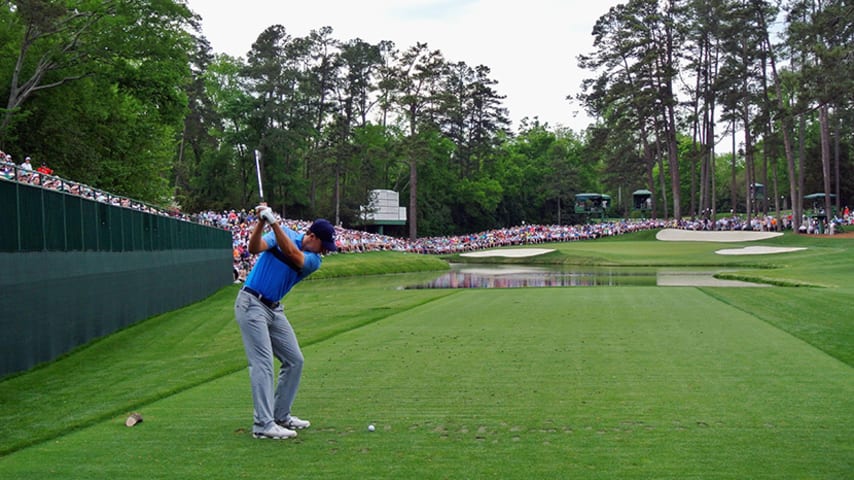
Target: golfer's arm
column 256, row 239
column 288, row 247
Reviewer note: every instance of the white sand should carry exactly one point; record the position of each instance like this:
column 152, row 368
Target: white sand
column 757, row 250
column 509, row 253
column 668, row 235
column 676, row 235
column 667, row 278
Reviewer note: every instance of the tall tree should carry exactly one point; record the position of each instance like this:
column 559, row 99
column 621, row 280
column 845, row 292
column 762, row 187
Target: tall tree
column 281, row 121
column 704, row 37
column 356, row 93
column 222, row 174
column 127, row 65
column 821, row 33
column 361, row 62
column 632, row 93
column 472, row 115
column 740, row 76
column 61, row 43
column 321, row 76
column 200, row 124
column 51, row 43
column 418, row 79
column 667, row 47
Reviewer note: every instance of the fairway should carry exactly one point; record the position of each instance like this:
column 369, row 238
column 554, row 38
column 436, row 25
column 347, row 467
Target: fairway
column 527, row 383
column 613, row 382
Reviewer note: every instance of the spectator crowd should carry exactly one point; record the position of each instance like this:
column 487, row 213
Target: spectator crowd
column 356, row 241
column 810, row 224
column 240, row 223
column 44, row 177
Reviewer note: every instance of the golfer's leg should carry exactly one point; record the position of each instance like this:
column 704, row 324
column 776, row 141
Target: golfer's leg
column 253, row 318
column 286, row 349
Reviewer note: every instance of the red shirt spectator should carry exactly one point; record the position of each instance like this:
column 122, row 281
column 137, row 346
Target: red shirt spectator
column 45, row 169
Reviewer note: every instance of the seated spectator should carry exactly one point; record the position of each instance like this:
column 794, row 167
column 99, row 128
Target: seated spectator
column 43, row 168
column 7, row 168
column 24, row 170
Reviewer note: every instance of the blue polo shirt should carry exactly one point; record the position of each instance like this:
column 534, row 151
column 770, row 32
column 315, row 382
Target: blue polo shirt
column 271, row 276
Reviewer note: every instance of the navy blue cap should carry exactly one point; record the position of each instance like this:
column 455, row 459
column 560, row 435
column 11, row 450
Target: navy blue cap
column 322, row 229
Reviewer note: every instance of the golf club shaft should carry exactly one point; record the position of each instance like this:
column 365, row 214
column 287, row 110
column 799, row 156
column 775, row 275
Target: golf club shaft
column 258, row 170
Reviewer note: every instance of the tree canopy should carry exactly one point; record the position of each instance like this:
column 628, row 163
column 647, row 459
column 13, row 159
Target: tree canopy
column 129, row 97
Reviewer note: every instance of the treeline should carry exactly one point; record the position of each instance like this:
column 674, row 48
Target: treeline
column 129, row 97
column 777, row 76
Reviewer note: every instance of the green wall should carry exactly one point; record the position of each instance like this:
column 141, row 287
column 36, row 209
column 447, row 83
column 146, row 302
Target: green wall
column 73, row 270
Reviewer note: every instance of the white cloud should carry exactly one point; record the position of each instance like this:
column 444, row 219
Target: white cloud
column 531, row 46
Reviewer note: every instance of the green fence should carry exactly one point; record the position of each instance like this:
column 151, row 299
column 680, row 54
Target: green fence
column 75, row 269
column 36, row 219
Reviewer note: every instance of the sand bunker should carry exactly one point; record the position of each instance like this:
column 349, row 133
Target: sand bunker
column 676, row 235
column 667, row 235
column 757, row 250
column 509, row 253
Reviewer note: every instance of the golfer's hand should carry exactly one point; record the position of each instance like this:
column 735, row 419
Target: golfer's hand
column 268, row 215
column 260, row 209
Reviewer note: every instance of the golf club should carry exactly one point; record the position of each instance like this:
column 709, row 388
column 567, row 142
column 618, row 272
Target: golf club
column 258, row 170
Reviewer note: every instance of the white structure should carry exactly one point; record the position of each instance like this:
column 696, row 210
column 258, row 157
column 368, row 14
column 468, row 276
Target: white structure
column 383, row 209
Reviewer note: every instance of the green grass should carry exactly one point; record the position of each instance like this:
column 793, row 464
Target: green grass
column 376, row 263
column 172, row 352
column 616, row 382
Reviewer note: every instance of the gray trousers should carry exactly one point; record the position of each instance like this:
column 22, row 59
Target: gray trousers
column 267, row 333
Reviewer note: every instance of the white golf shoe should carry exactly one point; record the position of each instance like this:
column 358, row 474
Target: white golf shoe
column 276, row 432
column 295, row 423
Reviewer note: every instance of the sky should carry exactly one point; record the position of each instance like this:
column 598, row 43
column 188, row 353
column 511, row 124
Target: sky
column 531, row 46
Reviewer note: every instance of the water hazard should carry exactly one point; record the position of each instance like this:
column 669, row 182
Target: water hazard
column 518, row 276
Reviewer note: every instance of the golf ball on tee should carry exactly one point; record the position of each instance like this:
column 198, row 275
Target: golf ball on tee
column 371, row 427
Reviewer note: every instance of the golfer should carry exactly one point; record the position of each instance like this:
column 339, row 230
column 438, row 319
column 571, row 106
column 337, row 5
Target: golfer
column 286, row 258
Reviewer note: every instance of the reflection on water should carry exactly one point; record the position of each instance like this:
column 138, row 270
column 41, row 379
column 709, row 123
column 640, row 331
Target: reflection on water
column 516, row 276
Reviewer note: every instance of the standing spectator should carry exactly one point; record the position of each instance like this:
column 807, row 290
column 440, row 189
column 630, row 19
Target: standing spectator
column 27, row 165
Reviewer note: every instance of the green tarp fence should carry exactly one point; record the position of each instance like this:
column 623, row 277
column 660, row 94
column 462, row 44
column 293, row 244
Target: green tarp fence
column 74, row 269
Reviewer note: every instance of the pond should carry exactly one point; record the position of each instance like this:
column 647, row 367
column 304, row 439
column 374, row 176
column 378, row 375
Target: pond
column 517, row 276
